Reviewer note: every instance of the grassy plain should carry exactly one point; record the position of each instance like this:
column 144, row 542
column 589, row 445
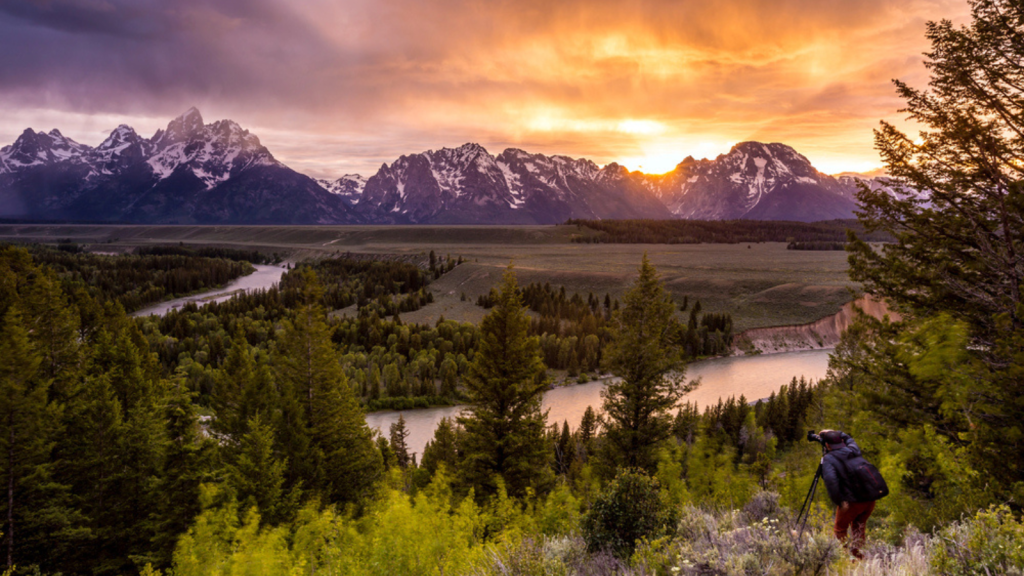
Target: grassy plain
column 759, row 284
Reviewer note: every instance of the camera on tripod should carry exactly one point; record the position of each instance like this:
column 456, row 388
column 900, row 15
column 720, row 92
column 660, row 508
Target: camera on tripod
column 812, row 436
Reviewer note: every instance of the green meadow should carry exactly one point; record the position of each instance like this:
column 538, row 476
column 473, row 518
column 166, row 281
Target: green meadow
column 759, row 284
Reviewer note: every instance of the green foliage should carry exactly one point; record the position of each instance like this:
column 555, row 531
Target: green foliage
column 442, row 451
column 638, row 406
column 257, row 475
column 26, row 435
column 628, row 510
column 504, row 429
column 740, row 543
column 990, row 542
column 251, row 256
column 137, row 280
column 422, row 536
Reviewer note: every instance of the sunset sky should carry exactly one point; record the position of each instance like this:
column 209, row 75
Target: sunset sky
column 335, row 87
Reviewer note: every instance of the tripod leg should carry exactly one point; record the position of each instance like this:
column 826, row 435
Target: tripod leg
column 807, row 503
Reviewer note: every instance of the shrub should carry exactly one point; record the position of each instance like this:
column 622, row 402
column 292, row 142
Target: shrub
column 990, row 542
column 628, row 510
column 562, row 556
column 736, row 543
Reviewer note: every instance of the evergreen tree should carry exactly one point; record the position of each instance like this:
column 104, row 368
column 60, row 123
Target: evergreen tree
column 88, row 461
column 588, row 425
column 26, row 432
column 563, row 452
column 306, row 360
column 234, row 380
column 257, row 475
column 127, row 525
column 638, row 406
column 185, row 466
column 399, row 436
column 349, row 463
column 504, row 425
column 951, row 368
column 324, row 433
column 54, row 330
column 442, row 450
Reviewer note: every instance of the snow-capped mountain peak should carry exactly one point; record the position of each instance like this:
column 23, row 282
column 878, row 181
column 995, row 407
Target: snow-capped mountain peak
column 39, row 148
column 212, row 153
column 349, row 186
column 753, row 180
column 192, row 172
column 180, row 129
column 189, row 172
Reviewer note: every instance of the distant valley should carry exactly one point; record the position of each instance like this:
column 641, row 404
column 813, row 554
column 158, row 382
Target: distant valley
column 220, row 173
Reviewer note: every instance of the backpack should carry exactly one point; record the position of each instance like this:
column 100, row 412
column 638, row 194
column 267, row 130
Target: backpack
column 866, row 482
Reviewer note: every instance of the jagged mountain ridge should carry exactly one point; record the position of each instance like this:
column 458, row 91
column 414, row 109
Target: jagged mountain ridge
column 755, row 181
column 468, row 185
column 190, row 172
column 193, row 172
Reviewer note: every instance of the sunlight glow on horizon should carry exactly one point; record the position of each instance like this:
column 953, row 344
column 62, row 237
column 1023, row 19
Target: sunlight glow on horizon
column 335, row 88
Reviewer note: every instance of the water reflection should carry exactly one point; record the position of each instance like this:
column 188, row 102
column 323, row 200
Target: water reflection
column 264, row 277
column 755, row 377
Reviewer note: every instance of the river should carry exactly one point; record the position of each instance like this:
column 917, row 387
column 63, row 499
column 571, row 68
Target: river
column 264, row 277
column 755, row 377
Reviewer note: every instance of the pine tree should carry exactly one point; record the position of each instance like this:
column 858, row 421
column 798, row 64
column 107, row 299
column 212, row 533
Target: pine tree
column 442, row 450
column 588, row 425
column 25, row 428
column 505, row 427
column 399, row 436
column 563, row 454
column 54, row 329
column 257, row 475
column 186, row 465
column 343, row 443
column 127, row 522
column 306, row 360
column 955, row 207
column 323, row 430
column 236, row 377
column 650, row 367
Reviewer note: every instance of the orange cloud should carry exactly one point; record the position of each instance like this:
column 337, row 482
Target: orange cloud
column 337, row 87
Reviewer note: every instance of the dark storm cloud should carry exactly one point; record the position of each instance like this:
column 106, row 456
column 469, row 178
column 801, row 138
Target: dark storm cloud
column 108, row 54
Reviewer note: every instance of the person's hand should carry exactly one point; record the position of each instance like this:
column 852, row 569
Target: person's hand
column 844, row 506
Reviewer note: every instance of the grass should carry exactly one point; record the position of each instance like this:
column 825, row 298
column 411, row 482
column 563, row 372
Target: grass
column 759, row 284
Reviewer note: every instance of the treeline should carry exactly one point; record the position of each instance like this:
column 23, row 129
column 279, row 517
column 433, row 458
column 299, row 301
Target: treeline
column 346, row 282
column 718, row 231
column 413, row 365
column 238, row 255
column 441, row 265
column 573, row 331
column 139, row 279
column 816, row 246
column 751, row 433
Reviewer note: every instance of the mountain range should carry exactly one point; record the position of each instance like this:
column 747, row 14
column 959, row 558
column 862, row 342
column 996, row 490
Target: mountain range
column 219, row 173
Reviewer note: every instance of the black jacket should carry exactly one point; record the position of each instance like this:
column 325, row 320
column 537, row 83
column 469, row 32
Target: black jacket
column 834, row 473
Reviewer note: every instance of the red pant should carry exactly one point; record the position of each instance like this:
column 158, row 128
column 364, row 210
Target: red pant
column 856, row 514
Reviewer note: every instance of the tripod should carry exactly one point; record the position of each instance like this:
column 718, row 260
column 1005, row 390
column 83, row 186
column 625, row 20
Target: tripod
column 805, row 510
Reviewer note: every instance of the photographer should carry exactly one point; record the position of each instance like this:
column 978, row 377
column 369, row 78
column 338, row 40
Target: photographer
column 852, row 483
